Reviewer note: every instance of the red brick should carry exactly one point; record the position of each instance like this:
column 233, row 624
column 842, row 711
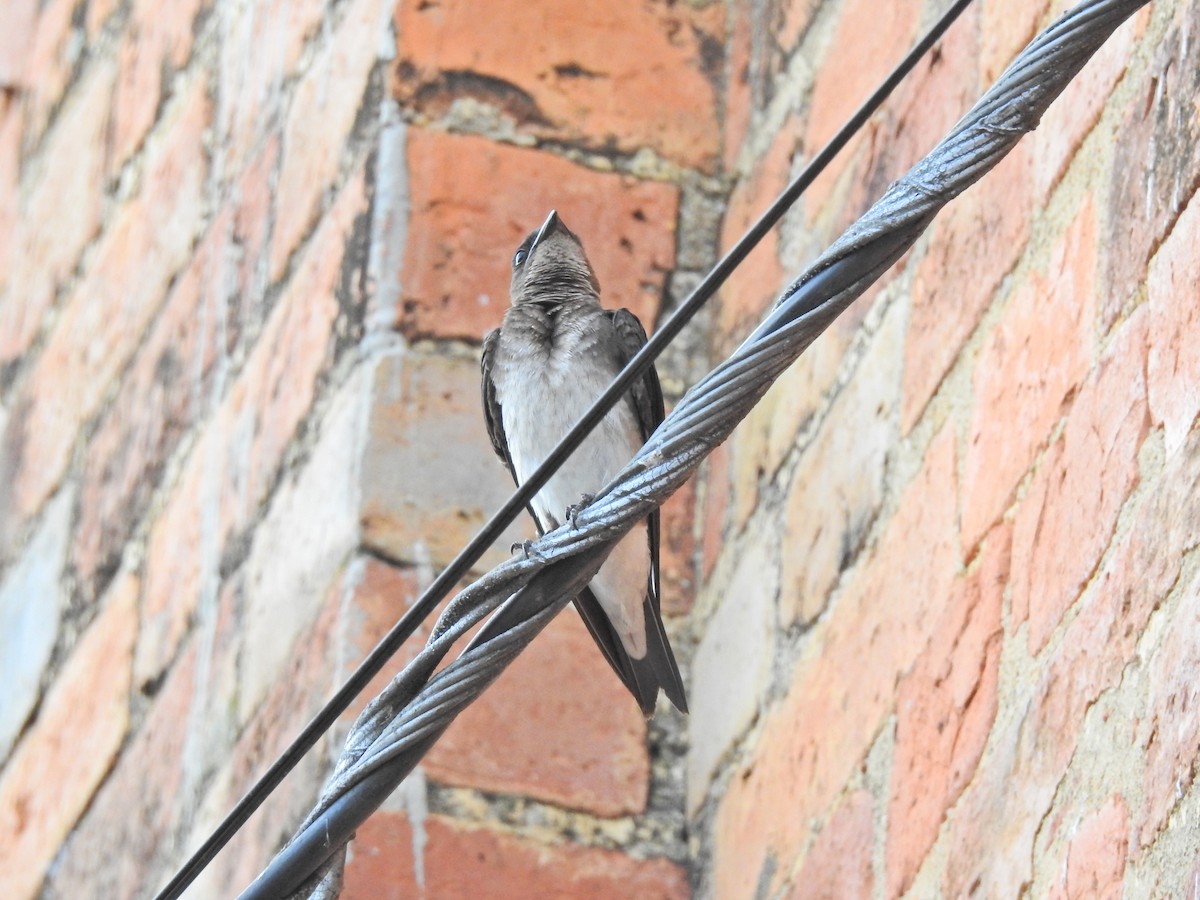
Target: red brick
column 260, row 48
column 1068, row 516
column 945, row 709
column 974, row 244
column 1096, row 859
column 870, row 39
column 1147, row 191
column 1076, row 111
column 1028, row 366
column 234, row 462
column 1168, row 732
column 575, row 72
column 106, row 316
column 992, row 832
column 458, row 861
column 472, row 201
column 1174, row 320
column 138, row 809
column 1005, row 30
column 836, row 703
column 557, row 726
column 322, row 115
column 157, row 40
column 60, row 214
column 49, row 781
column 839, row 863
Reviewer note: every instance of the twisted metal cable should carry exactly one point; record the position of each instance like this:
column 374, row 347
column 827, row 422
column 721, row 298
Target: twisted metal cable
column 394, row 732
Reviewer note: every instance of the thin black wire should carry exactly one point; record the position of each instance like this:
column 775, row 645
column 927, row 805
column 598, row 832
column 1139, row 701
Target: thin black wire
column 491, row 531
column 561, row 562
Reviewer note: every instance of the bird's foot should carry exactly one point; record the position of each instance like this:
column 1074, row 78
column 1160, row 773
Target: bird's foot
column 523, row 545
column 575, row 509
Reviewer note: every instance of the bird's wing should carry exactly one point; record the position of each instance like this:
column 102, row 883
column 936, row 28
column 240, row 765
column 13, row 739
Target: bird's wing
column 646, row 397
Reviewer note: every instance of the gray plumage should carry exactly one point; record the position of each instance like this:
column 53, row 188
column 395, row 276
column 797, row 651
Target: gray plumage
column 555, row 353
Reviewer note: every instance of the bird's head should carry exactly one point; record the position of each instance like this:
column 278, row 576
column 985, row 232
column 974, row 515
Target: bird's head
column 550, row 266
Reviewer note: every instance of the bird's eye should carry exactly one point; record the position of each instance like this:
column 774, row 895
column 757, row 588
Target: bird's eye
column 519, row 257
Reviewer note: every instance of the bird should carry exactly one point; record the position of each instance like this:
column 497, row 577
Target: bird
column 554, row 353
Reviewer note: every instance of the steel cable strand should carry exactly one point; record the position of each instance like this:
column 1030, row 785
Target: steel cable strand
column 566, row 558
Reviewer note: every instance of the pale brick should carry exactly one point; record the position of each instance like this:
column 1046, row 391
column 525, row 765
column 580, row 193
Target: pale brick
column 319, row 121
column 1096, row 859
column 50, row 779
column 430, row 477
column 1173, row 367
column 731, row 668
column 839, row 863
column 32, row 598
column 837, row 486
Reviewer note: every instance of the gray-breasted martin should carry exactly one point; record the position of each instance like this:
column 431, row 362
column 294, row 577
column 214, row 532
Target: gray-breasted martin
column 555, row 353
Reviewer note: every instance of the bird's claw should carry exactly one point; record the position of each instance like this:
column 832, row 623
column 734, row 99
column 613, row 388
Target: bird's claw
column 524, row 545
column 575, row 509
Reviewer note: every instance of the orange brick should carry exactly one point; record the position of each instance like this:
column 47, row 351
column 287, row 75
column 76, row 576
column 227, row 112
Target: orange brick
column 322, row 114
column 569, row 71
column 61, row 212
column 50, row 779
column 1027, row 367
column 973, row 246
column 457, row 861
column 678, row 551
column 157, row 40
column 1068, row 516
column 108, row 312
column 557, row 726
column 870, row 40
column 812, row 743
column 716, row 479
column 473, row 201
column 15, row 40
column 1005, row 29
column 945, row 709
column 1096, row 859
column 839, row 863
column 1174, row 321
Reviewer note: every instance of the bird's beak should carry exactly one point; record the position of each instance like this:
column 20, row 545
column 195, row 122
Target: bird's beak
column 548, row 226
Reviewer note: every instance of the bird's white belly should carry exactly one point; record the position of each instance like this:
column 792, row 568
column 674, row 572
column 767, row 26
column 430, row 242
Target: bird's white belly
column 534, row 424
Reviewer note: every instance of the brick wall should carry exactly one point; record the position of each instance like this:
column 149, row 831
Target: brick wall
column 937, row 596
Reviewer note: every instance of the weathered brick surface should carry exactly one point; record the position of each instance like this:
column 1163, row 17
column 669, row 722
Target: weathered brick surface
column 1028, row 366
column 49, row 781
column 467, row 219
column 936, row 601
column 395, row 857
column 559, row 69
